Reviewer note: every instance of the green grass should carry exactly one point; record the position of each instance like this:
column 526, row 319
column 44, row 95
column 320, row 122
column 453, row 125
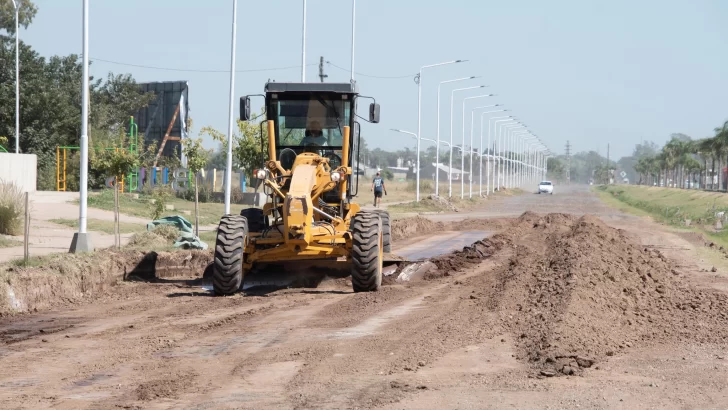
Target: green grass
column 209, row 237
column 9, row 242
column 671, row 206
column 210, row 212
column 99, row 225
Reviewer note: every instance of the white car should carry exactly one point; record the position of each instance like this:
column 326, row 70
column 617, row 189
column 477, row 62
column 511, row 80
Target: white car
column 546, row 187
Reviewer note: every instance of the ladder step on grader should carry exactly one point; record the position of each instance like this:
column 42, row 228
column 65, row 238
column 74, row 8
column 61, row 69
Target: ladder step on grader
column 308, row 227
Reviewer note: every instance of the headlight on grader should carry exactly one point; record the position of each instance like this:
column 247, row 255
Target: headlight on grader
column 260, row 174
column 335, row 176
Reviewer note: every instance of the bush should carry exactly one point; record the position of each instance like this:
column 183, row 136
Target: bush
column 204, row 194
column 236, row 195
column 388, row 174
column 12, row 208
column 160, row 195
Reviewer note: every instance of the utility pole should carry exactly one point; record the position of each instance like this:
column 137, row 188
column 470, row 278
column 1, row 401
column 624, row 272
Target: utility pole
column 568, row 162
column 321, row 70
column 609, row 171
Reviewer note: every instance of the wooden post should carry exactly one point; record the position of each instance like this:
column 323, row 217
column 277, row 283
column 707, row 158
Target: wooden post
column 197, row 206
column 26, row 231
column 116, row 210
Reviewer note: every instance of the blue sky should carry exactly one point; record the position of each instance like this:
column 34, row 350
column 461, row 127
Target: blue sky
column 592, row 72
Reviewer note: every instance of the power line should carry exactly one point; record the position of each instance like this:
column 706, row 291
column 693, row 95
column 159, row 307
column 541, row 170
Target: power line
column 368, row 75
column 198, row 71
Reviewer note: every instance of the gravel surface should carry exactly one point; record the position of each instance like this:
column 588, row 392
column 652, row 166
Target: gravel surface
column 570, row 304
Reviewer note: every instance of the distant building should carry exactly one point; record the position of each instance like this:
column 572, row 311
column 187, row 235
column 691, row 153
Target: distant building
column 428, row 172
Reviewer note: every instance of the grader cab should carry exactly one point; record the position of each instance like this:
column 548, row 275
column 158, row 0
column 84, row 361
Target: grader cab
column 308, row 218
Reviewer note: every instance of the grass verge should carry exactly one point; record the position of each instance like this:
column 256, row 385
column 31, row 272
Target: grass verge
column 686, row 210
column 99, row 225
column 6, row 242
column 210, row 212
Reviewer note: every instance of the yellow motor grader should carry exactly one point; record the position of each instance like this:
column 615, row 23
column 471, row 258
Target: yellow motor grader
column 308, row 217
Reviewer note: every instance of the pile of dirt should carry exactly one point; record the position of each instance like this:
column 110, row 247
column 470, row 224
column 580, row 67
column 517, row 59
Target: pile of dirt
column 442, row 203
column 577, row 291
column 471, row 224
column 410, row 227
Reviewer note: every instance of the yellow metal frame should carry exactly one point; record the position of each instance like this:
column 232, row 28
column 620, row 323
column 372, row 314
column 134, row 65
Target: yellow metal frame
column 308, row 179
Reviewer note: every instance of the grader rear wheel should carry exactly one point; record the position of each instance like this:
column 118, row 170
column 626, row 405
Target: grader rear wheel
column 367, row 252
column 227, row 274
column 386, row 231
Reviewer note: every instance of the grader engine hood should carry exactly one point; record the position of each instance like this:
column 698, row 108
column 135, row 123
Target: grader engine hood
column 298, row 206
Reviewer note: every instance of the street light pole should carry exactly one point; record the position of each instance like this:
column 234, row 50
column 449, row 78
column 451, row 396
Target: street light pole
column 17, row 77
column 303, row 45
column 490, row 164
column 462, row 157
column 418, row 79
column 231, row 110
column 518, row 157
column 527, row 142
column 480, row 157
column 452, row 100
column 472, row 115
column 353, row 31
column 499, row 165
column 81, row 241
column 437, row 154
column 510, row 152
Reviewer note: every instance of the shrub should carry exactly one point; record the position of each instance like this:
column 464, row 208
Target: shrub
column 12, row 208
column 160, row 195
column 236, row 195
column 388, row 174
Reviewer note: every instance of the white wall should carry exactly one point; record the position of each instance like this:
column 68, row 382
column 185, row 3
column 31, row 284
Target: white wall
column 21, row 169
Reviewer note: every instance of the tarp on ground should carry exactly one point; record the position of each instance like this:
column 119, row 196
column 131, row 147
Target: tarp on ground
column 187, row 238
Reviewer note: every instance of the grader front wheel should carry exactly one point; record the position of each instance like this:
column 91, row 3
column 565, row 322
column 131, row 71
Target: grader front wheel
column 227, row 274
column 367, row 257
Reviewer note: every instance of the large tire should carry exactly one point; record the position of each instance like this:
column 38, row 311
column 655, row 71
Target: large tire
column 227, row 275
column 257, row 222
column 366, row 253
column 386, row 231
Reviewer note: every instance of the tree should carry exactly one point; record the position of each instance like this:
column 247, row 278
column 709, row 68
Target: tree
column 555, row 167
column 117, row 162
column 26, row 12
column 197, row 158
column 250, row 146
column 50, row 110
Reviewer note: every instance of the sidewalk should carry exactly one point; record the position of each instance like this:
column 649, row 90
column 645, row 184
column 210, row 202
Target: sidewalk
column 47, row 237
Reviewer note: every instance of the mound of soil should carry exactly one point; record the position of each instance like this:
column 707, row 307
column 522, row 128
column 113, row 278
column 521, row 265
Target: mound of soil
column 409, row 227
column 575, row 291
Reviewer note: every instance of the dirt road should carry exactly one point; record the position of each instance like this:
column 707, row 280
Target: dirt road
column 640, row 306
